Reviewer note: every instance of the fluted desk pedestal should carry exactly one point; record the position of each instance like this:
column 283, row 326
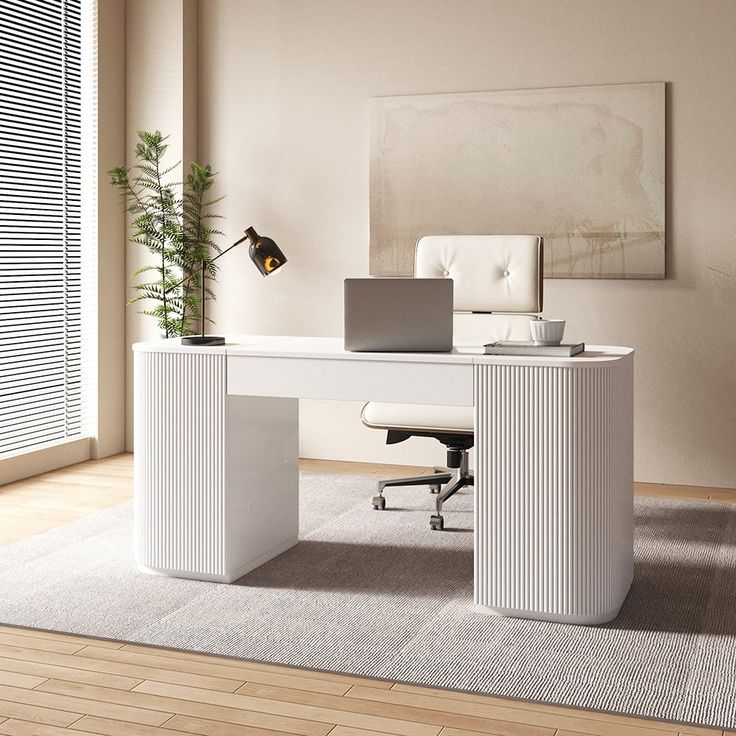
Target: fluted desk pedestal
column 216, row 461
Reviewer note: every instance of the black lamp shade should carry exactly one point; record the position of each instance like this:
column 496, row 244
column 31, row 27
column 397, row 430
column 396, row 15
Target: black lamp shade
column 264, row 253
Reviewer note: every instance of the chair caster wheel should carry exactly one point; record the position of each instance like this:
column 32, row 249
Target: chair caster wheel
column 437, row 522
column 379, row 503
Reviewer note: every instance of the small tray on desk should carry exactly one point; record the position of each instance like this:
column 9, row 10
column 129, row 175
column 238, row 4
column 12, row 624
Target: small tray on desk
column 527, row 347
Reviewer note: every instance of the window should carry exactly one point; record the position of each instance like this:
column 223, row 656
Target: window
column 43, row 261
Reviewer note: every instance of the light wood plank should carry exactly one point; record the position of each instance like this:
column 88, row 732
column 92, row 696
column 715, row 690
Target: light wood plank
column 349, row 731
column 699, row 493
column 726, row 495
column 58, row 498
column 95, row 707
column 674, row 492
column 463, row 732
column 189, row 724
column 48, row 487
column 81, row 482
column 19, row 513
column 345, row 731
column 13, row 727
column 44, row 671
column 83, row 503
column 110, row 727
column 207, row 704
column 57, row 636
column 25, row 527
column 211, row 676
column 37, row 714
column 159, row 668
column 321, row 714
column 61, row 502
column 383, row 708
column 44, row 645
column 511, row 711
column 95, row 471
column 315, row 465
column 481, row 700
column 99, row 670
column 18, row 679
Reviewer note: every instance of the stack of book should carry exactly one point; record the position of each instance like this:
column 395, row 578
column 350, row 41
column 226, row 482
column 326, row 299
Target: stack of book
column 523, row 347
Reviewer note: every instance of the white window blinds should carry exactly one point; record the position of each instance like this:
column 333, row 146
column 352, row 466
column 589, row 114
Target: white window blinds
column 41, row 357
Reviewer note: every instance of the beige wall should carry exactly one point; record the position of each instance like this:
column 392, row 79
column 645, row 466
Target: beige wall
column 283, row 115
column 110, row 231
column 160, row 94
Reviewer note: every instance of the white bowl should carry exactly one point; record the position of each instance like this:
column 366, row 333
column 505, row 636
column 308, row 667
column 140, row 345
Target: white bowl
column 547, row 331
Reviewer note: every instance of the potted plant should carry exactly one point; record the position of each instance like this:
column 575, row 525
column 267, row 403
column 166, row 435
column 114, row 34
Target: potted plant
column 172, row 220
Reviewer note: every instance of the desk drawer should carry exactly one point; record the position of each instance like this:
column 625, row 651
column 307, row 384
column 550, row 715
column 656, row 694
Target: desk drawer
column 449, row 384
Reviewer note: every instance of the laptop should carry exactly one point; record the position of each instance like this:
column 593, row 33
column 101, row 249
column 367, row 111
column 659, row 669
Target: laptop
column 404, row 315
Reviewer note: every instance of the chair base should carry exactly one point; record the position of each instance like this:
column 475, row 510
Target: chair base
column 435, row 488
column 437, row 521
column 433, row 481
column 453, row 481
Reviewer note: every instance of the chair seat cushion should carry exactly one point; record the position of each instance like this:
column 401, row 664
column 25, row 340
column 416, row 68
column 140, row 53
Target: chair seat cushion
column 421, row 417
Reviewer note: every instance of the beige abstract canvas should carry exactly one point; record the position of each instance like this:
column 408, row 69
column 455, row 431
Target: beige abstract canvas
column 582, row 166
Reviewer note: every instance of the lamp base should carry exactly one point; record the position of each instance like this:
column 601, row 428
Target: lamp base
column 203, row 340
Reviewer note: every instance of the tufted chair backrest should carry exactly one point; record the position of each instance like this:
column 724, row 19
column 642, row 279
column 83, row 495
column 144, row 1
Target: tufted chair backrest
column 497, row 281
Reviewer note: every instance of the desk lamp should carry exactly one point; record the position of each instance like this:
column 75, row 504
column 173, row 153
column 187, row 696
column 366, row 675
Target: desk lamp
column 267, row 257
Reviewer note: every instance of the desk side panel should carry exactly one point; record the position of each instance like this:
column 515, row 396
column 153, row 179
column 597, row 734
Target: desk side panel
column 554, row 494
column 262, row 502
column 179, row 463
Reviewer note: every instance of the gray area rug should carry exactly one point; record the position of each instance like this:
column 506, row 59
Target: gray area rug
column 378, row 594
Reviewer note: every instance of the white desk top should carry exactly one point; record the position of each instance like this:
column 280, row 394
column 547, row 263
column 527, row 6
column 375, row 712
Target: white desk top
column 331, row 348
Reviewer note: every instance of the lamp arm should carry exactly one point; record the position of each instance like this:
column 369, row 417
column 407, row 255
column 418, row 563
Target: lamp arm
column 203, row 285
column 266, row 256
column 212, row 260
column 229, row 248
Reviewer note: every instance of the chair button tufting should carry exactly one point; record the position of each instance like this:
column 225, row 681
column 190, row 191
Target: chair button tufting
column 445, row 273
column 505, row 273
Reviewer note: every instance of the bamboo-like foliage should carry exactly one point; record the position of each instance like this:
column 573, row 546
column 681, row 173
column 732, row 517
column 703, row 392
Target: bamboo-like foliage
column 171, row 219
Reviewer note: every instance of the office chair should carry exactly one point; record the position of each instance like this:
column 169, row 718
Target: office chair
column 497, row 289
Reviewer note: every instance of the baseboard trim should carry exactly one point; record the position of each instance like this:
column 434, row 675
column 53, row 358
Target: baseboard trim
column 44, row 460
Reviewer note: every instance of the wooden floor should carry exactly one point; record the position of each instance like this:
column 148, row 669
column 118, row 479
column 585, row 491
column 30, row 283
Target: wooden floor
column 55, row 684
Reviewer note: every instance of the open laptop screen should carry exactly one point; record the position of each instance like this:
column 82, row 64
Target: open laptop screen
column 404, row 315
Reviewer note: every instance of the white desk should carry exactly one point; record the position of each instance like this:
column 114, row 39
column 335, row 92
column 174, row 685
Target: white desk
column 216, row 461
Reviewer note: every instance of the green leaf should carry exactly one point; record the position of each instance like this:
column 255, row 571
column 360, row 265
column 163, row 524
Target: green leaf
column 169, row 219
